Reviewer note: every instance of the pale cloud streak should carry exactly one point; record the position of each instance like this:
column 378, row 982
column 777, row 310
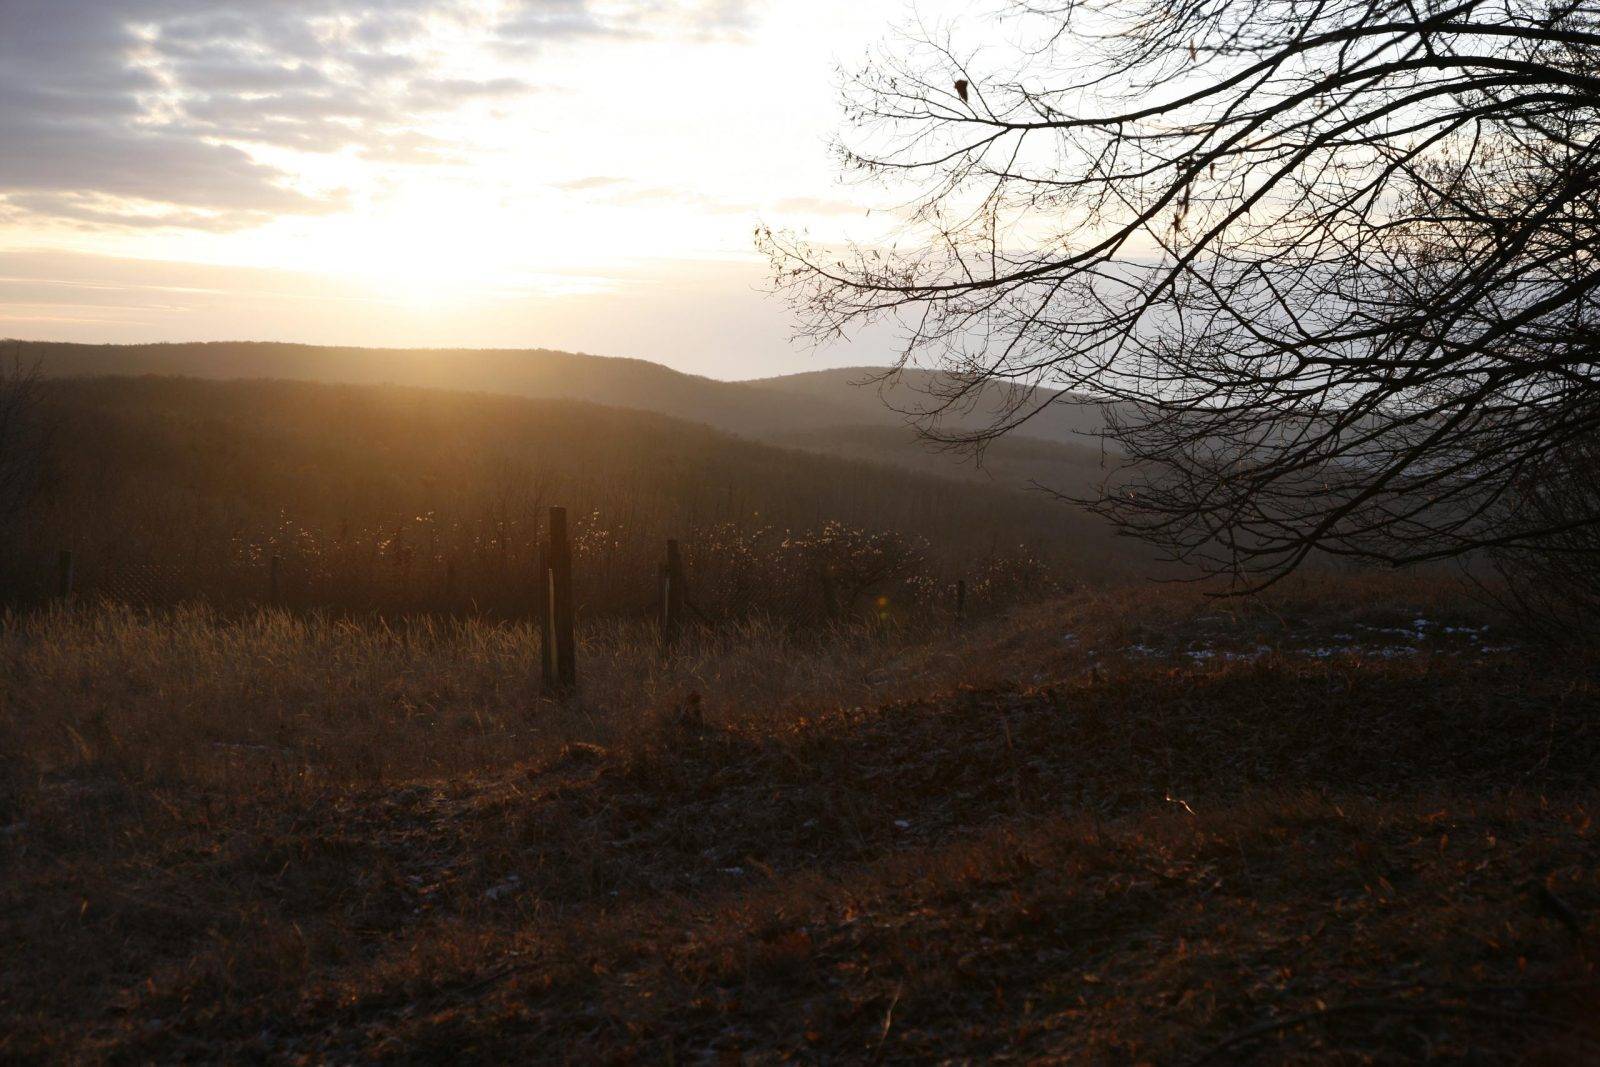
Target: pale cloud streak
column 191, row 114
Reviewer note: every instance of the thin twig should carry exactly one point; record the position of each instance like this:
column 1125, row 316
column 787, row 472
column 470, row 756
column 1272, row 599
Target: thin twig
column 888, row 1021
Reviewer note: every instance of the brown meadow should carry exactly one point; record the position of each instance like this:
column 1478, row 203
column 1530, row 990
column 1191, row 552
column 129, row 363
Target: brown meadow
column 1127, row 826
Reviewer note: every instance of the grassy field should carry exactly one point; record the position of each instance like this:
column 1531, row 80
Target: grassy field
column 1349, row 822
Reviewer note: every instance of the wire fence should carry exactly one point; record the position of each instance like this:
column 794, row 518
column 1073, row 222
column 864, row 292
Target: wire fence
column 724, row 574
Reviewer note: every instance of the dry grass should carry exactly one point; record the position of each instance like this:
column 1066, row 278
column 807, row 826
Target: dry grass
column 1123, row 829
column 242, row 703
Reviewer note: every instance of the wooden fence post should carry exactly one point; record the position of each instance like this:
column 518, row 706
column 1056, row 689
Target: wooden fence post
column 961, row 600
column 672, row 595
column 275, row 581
column 450, row 585
column 541, row 593
column 830, row 596
column 64, row 574
column 560, row 652
column 664, row 603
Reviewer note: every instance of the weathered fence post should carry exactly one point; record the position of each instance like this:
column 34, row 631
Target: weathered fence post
column 560, row 652
column 275, row 581
column 664, row 619
column 961, row 600
column 542, row 596
column 672, row 595
column 64, row 574
column 450, row 585
column 830, row 596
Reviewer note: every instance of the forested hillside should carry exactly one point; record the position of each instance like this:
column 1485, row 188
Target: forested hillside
column 804, row 410
column 409, row 498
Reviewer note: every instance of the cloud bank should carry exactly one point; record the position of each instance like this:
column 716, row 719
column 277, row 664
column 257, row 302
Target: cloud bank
column 192, row 114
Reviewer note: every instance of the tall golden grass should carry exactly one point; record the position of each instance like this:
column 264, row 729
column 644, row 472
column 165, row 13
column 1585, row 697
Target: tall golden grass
column 277, row 698
column 287, row 699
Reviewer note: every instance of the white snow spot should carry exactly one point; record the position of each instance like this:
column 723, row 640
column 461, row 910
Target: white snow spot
column 510, row 885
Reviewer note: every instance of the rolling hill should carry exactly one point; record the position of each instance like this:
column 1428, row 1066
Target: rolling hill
column 908, row 394
column 828, row 411
column 396, row 495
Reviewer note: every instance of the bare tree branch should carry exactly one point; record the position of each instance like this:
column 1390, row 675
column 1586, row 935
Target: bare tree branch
column 1329, row 264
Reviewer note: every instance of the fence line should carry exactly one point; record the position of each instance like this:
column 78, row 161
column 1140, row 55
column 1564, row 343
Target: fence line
column 819, row 578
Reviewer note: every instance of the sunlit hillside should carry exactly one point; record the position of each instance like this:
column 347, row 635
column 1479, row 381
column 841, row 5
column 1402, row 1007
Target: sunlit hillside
column 385, row 495
column 804, row 410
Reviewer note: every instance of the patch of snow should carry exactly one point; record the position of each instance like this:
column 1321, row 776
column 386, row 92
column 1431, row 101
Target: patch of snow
column 1392, row 631
column 1380, row 651
column 510, row 885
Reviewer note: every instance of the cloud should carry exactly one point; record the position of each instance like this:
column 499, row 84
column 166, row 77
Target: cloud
column 625, row 192
column 171, row 109
column 96, row 212
column 816, row 205
column 595, row 181
column 541, row 20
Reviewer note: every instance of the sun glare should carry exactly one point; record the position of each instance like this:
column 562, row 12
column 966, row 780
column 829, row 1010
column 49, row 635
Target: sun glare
column 453, row 169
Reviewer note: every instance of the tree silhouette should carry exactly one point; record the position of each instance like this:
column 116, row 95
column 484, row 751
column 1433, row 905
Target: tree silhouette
column 1329, row 263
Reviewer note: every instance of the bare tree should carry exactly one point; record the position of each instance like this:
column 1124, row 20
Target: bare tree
column 1330, row 262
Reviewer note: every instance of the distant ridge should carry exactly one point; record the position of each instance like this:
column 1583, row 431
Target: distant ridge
column 1065, row 421
column 824, row 411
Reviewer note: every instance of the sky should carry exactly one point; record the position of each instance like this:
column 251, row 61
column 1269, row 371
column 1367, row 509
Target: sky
column 575, row 174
